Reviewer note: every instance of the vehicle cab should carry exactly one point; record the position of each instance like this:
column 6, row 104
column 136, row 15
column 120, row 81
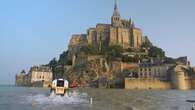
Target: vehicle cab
column 59, row 86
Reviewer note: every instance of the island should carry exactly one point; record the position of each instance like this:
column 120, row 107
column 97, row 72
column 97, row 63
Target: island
column 115, row 55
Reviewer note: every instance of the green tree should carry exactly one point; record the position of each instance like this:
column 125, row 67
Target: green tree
column 63, row 58
column 114, row 51
column 53, row 63
column 147, row 43
column 156, row 52
column 23, row 71
column 89, row 50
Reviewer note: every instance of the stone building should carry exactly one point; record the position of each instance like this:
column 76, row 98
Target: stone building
column 181, row 78
column 151, row 71
column 150, row 76
column 119, row 32
column 163, row 76
column 40, row 74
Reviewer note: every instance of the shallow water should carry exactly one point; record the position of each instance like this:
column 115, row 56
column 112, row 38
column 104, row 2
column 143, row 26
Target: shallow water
column 18, row 98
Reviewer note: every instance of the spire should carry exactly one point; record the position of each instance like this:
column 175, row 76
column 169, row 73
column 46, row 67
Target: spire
column 115, row 6
column 116, row 12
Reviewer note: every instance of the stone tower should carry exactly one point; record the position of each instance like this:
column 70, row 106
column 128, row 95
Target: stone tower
column 180, row 78
column 116, row 16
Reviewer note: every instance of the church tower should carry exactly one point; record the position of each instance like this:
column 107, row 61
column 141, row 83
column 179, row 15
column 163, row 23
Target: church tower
column 116, row 16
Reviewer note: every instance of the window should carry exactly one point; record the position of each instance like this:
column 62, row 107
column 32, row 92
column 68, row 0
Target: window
column 60, row 83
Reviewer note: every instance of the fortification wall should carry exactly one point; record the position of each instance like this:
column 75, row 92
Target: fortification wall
column 193, row 84
column 192, row 80
column 143, row 84
column 181, row 81
column 44, row 84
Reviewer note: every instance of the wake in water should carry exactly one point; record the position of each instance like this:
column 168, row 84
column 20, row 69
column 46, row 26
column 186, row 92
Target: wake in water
column 73, row 98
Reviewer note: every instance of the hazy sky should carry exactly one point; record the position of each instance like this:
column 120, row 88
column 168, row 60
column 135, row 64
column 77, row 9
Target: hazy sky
column 34, row 31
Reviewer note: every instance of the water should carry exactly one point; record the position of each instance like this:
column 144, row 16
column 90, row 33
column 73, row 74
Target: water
column 18, row 98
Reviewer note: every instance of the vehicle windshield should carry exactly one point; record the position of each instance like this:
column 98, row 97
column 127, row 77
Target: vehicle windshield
column 60, row 83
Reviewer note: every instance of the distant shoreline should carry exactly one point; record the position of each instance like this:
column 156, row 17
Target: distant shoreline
column 7, row 85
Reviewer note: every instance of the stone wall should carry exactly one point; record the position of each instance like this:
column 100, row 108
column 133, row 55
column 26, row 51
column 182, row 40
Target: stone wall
column 143, row 84
column 91, row 37
column 76, row 42
column 102, row 34
column 137, row 38
column 193, row 83
column 44, row 84
column 180, row 79
column 120, row 36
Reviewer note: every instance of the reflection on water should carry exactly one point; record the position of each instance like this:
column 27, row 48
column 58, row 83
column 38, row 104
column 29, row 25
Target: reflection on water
column 13, row 98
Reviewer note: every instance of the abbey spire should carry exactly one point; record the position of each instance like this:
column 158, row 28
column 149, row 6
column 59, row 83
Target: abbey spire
column 116, row 15
column 116, row 11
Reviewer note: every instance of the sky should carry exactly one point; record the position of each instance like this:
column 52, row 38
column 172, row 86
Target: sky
column 32, row 32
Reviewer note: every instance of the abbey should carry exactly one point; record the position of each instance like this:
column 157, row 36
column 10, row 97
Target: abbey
column 120, row 32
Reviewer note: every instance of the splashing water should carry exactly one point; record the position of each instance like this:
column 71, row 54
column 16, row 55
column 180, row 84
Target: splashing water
column 73, row 98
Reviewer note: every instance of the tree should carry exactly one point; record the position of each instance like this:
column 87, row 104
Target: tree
column 23, row 71
column 63, row 58
column 156, row 52
column 53, row 62
column 126, row 58
column 89, row 50
column 146, row 43
column 114, row 51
